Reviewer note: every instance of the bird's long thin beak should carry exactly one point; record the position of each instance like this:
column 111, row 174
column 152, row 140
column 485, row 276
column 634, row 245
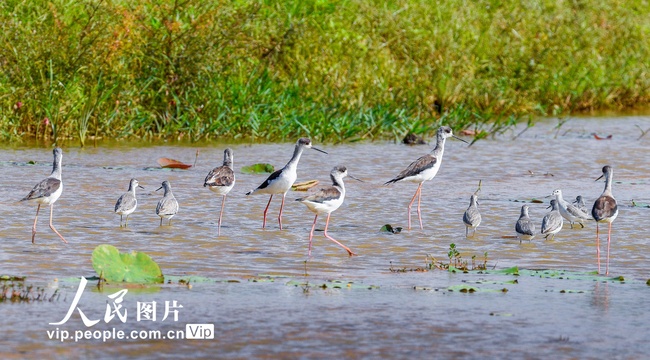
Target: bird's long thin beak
column 313, row 148
column 355, row 178
column 457, row 138
column 141, row 187
column 600, row 177
column 159, row 188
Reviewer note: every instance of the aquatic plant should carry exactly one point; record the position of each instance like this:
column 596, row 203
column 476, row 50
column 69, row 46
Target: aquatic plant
column 134, row 267
column 335, row 71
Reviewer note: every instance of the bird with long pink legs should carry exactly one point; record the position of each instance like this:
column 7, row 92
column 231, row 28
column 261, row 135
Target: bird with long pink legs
column 47, row 192
column 425, row 168
column 281, row 180
column 327, row 199
column 605, row 210
column 221, row 180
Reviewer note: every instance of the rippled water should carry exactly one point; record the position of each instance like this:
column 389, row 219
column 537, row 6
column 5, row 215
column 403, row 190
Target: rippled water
column 272, row 318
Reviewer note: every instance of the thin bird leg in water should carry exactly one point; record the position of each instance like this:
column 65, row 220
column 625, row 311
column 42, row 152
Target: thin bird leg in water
column 34, row 227
column 311, row 234
column 609, row 239
column 52, row 226
column 411, row 204
column 265, row 211
column 281, row 207
column 598, row 247
column 223, row 203
column 327, row 222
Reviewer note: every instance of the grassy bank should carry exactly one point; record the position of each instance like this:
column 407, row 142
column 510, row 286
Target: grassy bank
column 333, row 70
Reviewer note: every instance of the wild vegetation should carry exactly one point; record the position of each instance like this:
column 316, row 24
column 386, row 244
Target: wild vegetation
column 333, row 70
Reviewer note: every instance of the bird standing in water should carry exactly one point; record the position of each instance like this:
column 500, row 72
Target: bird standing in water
column 472, row 218
column 605, row 210
column 167, row 206
column 524, row 227
column 326, row 200
column 425, row 168
column 127, row 203
column 48, row 191
column 281, row 180
column 221, row 180
column 553, row 221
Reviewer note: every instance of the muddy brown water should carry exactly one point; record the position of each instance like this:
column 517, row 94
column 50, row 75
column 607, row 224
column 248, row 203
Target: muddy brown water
column 250, row 294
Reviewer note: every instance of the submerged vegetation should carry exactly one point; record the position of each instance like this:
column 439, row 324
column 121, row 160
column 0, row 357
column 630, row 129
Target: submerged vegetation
column 333, row 70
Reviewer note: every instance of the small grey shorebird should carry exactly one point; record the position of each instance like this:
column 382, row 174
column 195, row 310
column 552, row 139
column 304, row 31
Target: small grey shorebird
column 569, row 211
column 221, row 180
column 167, row 206
column 327, row 199
column 580, row 203
column 524, row 227
column 281, row 180
column 553, row 221
column 472, row 217
column 425, row 168
column 48, row 191
column 605, row 210
column 127, row 203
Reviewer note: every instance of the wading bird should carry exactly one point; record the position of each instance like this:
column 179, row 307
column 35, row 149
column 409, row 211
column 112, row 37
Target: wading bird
column 48, row 191
column 167, row 206
column 221, row 180
column 127, row 203
column 425, row 168
column 605, row 210
column 281, row 180
column 327, row 199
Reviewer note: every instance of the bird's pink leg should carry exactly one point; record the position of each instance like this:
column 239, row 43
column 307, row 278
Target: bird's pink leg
column 327, row 222
column 265, row 211
column 34, row 227
column 411, row 204
column 52, row 226
column 420, row 200
column 281, row 207
column 598, row 247
column 311, row 234
column 609, row 237
column 223, row 203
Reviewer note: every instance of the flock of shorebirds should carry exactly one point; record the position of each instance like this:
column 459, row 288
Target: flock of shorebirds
column 325, row 200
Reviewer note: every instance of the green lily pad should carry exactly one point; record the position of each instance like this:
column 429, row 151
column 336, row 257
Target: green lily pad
column 136, row 267
column 258, row 169
column 390, row 229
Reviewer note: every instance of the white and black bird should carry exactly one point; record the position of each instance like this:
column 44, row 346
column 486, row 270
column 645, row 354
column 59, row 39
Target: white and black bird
column 425, row 168
column 570, row 212
column 281, row 180
column 472, row 217
column 167, row 206
column 524, row 227
column 553, row 221
column 221, row 180
column 127, row 203
column 605, row 210
column 327, row 199
column 48, row 191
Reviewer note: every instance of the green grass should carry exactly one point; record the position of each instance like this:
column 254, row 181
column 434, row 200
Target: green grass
column 333, row 70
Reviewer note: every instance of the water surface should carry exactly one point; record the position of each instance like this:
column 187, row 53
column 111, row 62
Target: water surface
column 404, row 314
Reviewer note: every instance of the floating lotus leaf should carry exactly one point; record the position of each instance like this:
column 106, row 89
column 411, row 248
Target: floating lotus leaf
column 304, row 186
column 258, row 169
column 134, row 267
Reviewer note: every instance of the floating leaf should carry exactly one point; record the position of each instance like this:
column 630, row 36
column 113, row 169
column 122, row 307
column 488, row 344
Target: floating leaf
column 304, row 186
column 260, row 168
column 12, row 278
column 390, row 229
column 172, row 164
column 136, row 267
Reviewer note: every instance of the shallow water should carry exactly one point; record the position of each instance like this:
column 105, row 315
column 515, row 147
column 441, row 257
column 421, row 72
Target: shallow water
column 272, row 318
